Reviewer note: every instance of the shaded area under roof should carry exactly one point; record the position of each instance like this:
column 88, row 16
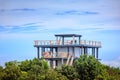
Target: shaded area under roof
column 68, row 35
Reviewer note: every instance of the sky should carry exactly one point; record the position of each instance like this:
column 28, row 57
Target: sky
column 23, row 21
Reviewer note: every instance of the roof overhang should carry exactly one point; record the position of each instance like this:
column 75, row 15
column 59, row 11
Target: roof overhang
column 68, row 35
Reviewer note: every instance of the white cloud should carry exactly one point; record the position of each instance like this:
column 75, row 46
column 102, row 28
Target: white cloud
column 113, row 63
column 45, row 11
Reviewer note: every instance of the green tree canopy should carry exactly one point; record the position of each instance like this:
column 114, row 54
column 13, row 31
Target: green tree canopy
column 89, row 68
column 84, row 68
column 11, row 71
column 69, row 72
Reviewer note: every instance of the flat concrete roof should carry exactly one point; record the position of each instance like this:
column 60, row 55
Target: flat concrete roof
column 68, row 35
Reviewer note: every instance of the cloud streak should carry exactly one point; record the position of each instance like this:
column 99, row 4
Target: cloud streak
column 16, row 10
column 74, row 12
column 24, row 9
column 30, row 27
column 54, row 14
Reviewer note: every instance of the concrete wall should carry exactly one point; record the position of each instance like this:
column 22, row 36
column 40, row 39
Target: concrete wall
column 62, row 50
column 76, row 50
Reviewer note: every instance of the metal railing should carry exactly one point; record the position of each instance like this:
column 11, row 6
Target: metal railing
column 93, row 43
column 67, row 42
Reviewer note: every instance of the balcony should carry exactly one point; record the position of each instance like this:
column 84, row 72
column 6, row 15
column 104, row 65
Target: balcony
column 67, row 42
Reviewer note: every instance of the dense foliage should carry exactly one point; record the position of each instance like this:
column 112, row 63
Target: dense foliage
column 90, row 68
column 84, row 68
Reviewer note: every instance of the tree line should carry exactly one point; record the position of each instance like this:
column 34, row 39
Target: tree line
column 84, row 68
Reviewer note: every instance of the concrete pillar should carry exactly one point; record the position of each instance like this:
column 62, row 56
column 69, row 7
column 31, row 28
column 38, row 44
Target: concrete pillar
column 93, row 52
column 68, row 50
column 54, row 64
column 38, row 52
column 97, row 53
column 51, row 49
column 81, row 50
column 56, row 40
column 56, row 61
column 42, row 50
column 73, row 52
column 62, row 60
column 62, row 40
column 51, row 63
column 84, row 50
column 73, row 39
column 79, row 40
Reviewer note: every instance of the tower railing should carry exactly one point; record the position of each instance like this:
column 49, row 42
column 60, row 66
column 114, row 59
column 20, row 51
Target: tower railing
column 67, row 42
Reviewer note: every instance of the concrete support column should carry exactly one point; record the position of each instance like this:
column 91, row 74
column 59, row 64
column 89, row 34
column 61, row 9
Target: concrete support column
column 73, row 51
column 87, row 51
column 84, row 50
column 56, row 61
column 73, row 40
column 51, row 49
column 42, row 50
column 56, row 50
column 54, row 64
column 68, row 50
column 79, row 40
column 93, row 52
column 97, row 53
column 81, row 50
column 38, row 52
column 62, row 40
column 51, row 63
column 62, row 60
column 56, row 40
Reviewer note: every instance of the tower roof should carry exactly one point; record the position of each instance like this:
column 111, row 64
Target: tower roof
column 68, row 35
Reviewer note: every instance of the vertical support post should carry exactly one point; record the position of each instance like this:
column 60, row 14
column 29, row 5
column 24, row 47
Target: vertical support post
column 93, row 52
column 51, row 49
column 81, row 50
column 79, row 39
column 62, row 60
column 62, row 40
column 84, row 50
column 68, row 50
column 73, row 51
column 51, row 63
column 42, row 50
column 56, row 51
column 57, row 42
column 54, row 64
column 73, row 39
column 38, row 53
column 97, row 53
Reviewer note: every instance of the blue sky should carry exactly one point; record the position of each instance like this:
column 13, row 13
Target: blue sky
column 23, row 21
